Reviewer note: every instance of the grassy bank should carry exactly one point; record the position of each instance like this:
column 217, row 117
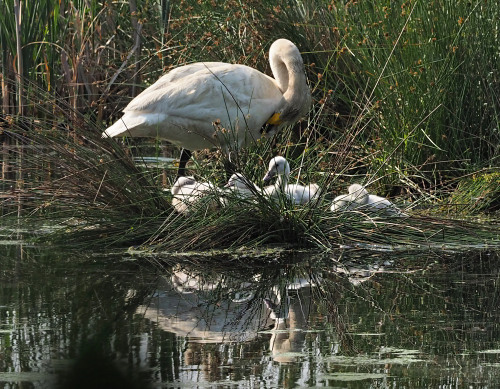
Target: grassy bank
column 406, row 100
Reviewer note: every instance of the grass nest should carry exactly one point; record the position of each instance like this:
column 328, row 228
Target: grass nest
column 78, row 189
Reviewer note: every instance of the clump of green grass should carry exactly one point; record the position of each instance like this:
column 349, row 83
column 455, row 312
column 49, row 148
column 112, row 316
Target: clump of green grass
column 241, row 224
column 416, row 80
column 97, row 196
column 59, row 169
column 479, row 192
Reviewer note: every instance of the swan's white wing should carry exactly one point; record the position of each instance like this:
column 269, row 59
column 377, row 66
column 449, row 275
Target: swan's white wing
column 270, row 191
column 128, row 124
column 177, row 74
column 301, row 194
column 313, row 190
column 382, row 203
column 242, row 186
column 194, row 97
column 341, row 202
column 186, row 196
column 379, row 202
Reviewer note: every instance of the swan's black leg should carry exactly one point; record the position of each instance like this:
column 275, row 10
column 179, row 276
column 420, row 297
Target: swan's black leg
column 229, row 166
column 183, row 160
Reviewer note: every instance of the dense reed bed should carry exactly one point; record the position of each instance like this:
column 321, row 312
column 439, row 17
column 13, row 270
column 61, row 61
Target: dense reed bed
column 406, row 101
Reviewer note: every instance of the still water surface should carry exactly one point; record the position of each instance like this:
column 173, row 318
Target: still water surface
column 350, row 319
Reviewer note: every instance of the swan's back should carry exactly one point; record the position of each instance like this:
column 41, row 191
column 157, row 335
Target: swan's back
column 297, row 194
column 301, row 194
column 241, row 185
column 183, row 105
column 188, row 192
column 339, row 202
column 183, row 184
column 382, row 204
column 356, row 197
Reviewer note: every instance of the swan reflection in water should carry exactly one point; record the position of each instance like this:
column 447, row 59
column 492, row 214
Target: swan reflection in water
column 271, row 316
column 206, row 309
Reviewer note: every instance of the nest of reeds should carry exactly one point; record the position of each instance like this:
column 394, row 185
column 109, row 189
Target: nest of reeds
column 86, row 191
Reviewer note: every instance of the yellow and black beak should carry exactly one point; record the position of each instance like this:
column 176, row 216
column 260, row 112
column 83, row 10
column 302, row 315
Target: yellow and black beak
column 273, row 122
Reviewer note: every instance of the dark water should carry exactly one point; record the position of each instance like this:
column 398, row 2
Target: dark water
column 352, row 319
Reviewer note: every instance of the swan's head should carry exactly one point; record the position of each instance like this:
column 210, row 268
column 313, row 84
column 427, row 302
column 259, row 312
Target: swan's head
column 278, row 167
column 181, row 182
column 339, row 202
column 238, row 180
column 358, row 193
column 288, row 70
column 285, row 57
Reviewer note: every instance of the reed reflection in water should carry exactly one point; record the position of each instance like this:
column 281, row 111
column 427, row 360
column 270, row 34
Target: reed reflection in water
column 379, row 318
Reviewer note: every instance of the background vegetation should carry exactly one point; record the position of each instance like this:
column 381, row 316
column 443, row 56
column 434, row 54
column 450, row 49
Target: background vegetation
column 406, row 99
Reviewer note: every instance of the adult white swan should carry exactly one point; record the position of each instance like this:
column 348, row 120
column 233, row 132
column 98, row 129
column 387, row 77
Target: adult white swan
column 203, row 105
column 279, row 168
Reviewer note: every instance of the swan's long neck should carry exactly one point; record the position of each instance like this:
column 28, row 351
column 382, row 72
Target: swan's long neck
column 288, row 70
column 282, row 179
column 280, row 73
column 289, row 73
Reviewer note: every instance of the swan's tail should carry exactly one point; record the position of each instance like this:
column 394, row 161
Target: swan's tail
column 124, row 126
column 116, row 129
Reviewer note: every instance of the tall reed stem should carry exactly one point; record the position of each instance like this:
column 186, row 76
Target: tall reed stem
column 19, row 72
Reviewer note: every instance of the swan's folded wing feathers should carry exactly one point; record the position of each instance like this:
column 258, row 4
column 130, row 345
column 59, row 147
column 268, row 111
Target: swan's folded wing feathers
column 227, row 84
